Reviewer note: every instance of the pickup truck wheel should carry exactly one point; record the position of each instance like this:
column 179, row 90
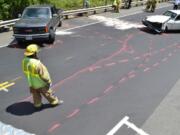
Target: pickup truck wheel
column 51, row 37
column 166, row 29
column 60, row 24
column 19, row 42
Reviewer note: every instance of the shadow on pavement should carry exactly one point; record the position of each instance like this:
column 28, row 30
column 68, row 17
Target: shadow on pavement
column 25, row 108
column 146, row 30
column 23, row 45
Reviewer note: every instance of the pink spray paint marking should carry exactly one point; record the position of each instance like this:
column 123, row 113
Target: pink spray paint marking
column 163, row 49
column 156, row 64
column 98, row 62
column 122, row 49
column 146, row 54
column 155, row 52
column 170, row 54
column 131, row 72
column 131, row 76
column 110, row 88
column 141, row 66
column 110, row 64
column 91, row 69
column 97, row 32
column 110, row 38
column 94, row 100
column 102, row 44
column 137, row 58
column 74, row 113
column 69, row 78
column 178, row 46
column 122, row 80
column 123, row 61
column 53, row 127
column 165, row 59
column 146, row 69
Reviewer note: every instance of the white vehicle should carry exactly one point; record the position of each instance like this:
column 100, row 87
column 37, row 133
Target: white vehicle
column 170, row 20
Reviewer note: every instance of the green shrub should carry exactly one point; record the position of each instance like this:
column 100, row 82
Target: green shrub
column 9, row 9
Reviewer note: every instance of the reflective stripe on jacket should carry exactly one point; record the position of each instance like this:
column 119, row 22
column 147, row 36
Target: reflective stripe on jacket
column 35, row 72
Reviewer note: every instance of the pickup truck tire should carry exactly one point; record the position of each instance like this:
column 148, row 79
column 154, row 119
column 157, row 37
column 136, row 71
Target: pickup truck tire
column 60, row 24
column 51, row 37
column 19, row 42
column 166, row 29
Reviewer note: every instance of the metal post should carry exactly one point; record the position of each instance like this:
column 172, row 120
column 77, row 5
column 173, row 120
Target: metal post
column 86, row 4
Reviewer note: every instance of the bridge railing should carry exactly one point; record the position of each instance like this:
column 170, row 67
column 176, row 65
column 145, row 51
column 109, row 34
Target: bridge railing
column 68, row 13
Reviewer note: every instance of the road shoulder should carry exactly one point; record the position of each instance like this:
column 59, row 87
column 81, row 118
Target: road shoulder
column 166, row 118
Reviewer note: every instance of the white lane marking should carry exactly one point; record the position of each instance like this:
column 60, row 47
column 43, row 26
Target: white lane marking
column 4, row 46
column 69, row 58
column 129, row 124
column 138, row 12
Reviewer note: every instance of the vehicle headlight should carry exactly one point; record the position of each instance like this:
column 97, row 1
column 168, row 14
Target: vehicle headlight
column 46, row 29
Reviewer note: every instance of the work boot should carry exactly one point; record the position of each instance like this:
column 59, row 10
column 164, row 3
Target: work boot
column 56, row 102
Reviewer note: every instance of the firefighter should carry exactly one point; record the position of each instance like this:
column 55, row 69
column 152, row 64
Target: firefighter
column 151, row 5
column 148, row 4
column 117, row 5
column 38, row 77
column 127, row 4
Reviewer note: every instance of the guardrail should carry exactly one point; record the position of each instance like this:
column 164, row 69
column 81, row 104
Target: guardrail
column 81, row 11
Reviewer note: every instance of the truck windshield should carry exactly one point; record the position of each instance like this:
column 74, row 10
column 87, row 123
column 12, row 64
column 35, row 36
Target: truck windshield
column 36, row 13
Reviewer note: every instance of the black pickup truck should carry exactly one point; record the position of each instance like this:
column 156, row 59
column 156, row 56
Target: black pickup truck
column 38, row 22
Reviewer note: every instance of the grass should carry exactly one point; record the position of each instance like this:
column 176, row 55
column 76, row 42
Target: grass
column 76, row 4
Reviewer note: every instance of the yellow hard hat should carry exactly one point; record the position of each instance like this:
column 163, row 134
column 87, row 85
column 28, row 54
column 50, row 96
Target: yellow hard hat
column 31, row 49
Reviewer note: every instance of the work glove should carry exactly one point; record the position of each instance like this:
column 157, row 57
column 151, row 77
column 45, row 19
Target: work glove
column 49, row 85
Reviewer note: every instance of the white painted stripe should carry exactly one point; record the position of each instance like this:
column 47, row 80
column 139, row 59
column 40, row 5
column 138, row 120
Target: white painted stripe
column 125, row 121
column 119, row 125
column 135, row 128
column 4, row 46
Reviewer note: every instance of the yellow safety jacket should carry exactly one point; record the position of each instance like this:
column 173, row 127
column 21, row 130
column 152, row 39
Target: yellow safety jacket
column 36, row 73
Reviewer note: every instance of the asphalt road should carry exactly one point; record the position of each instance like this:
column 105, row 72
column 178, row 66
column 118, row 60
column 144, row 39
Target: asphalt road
column 103, row 72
